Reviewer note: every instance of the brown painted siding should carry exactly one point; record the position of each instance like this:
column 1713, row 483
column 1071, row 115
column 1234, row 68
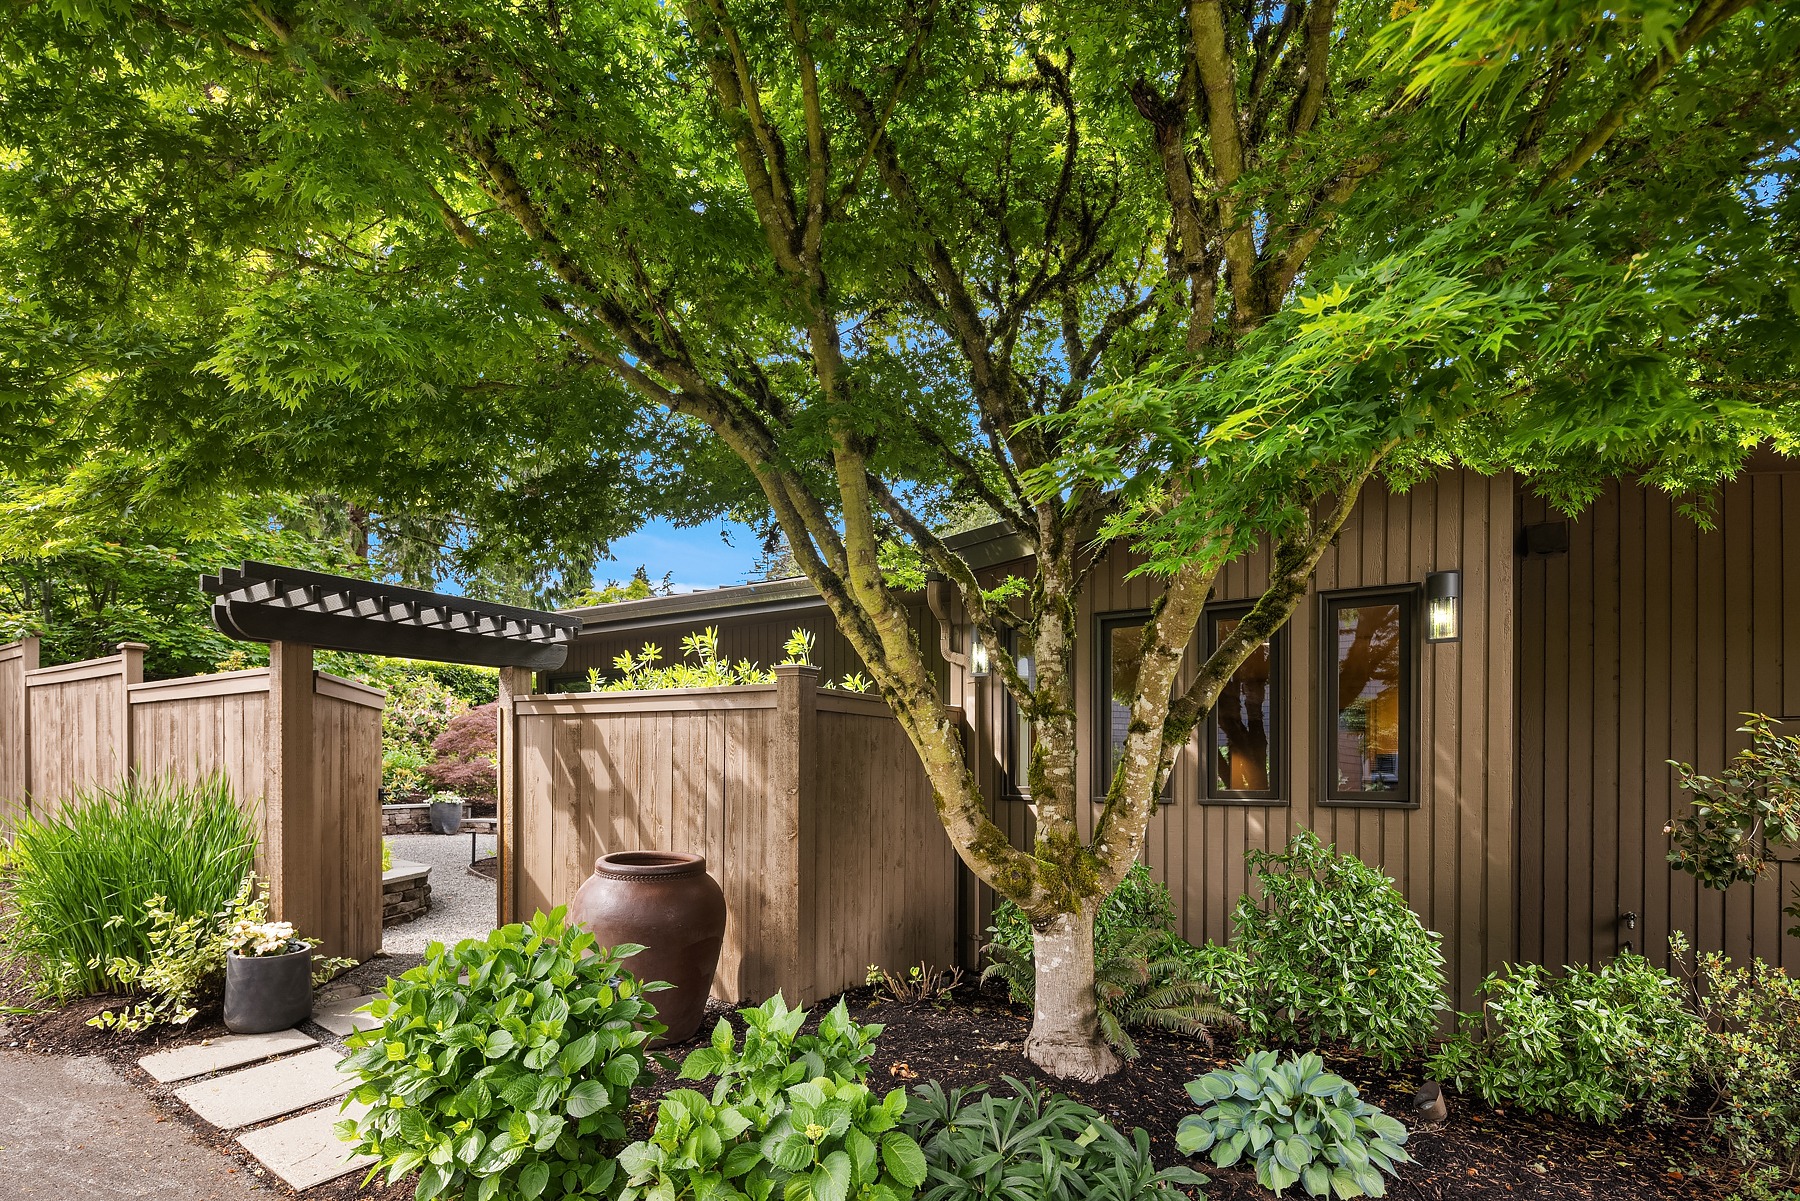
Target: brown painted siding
column 1452, row 855
column 1644, row 643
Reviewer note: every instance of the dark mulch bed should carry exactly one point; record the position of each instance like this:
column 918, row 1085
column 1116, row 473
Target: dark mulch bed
column 978, row 1038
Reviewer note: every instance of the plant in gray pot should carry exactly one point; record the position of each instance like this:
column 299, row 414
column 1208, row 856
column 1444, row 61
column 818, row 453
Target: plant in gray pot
column 268, row 978
column 446, row 813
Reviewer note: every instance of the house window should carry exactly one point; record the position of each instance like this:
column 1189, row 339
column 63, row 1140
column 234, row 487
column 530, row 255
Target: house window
column 1369, row 697
column 1244, row 733
column 1018, row 726
column 1119, row 646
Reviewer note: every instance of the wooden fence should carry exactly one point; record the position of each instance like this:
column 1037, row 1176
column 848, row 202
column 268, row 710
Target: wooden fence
column 810, row 806
column 301, row 747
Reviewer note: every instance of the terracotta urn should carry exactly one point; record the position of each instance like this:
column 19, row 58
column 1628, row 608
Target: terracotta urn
column 665, row 901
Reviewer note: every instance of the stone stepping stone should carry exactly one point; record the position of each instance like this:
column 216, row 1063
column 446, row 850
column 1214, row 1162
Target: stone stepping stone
column 340, row 1016
column 268, row 1090
column 305, row 1151
column 217, row 1054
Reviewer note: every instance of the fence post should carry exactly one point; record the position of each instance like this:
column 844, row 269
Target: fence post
column 131, row 671
column 514, row 683
column 791, row 834
column 16, row 725
column 290, row 805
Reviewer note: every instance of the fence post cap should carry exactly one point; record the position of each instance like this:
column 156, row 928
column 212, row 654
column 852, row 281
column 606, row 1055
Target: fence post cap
column 134, row 646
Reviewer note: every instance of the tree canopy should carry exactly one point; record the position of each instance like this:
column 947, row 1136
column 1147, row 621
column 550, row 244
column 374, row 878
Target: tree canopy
column 1183, row 274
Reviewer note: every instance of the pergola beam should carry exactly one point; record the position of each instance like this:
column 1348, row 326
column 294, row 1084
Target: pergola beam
column 263, row 602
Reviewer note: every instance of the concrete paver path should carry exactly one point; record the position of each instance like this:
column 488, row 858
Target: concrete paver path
column 340, row 1016
column 305, row 1151
column 217, row 1054
column 72, row 1129
column 251, row 1095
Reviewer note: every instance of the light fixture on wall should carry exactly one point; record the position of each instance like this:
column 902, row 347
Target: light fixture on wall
column 1443, row 606
column 978, row 655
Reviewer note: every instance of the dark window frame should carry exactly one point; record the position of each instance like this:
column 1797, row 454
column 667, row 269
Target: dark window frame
column 1276, row 793
column 1407, row 796
column 1012, row 788
column 1101, row 708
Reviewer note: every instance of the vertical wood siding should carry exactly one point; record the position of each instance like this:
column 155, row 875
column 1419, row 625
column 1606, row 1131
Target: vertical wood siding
column 820, row 828
column 1646, row 642
column 1452, row 854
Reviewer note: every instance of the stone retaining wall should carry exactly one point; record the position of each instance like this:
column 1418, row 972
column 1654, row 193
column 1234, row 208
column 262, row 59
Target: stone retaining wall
column 405, row 892
column 406, row 819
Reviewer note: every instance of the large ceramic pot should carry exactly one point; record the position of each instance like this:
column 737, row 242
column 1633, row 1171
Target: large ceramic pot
column 446, row 817
column 666, row 902
column 267, row 992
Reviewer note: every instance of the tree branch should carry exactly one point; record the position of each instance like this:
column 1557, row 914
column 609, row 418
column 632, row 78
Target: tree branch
column 1708, row 17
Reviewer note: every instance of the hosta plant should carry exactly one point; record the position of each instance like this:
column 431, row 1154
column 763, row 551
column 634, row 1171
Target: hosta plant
column 514, row 1084
column 1032, row 1146
column 1297, row 1122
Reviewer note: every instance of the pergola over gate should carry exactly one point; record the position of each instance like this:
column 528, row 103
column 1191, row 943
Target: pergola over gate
column 296, row 611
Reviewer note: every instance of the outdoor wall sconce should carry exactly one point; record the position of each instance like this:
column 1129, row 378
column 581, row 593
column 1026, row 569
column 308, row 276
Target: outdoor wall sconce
column 978, row 655
column 1443, row 606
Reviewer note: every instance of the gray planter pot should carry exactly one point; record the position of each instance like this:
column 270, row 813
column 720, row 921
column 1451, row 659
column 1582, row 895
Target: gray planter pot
column 446, row 817
column 267, row 992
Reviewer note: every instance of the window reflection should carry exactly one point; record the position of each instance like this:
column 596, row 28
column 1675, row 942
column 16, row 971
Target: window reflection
column 1123, row 648
column 1018, row 748
column 1243, row 721
column 1369, row 717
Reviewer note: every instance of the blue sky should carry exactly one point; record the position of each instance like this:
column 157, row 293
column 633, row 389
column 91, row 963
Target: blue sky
column 697, row 557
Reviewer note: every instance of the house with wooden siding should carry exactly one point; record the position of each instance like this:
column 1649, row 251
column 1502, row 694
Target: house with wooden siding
column 1502, row 753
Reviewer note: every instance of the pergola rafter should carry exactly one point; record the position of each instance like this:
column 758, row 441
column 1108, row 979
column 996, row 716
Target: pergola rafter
column 263, row 602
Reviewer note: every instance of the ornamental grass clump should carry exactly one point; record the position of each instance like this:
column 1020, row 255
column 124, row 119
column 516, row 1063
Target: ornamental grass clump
column 510, row 1086
column 93, row 884
column 1593, row 1043
column 1298, row 1123
column 1331, row 951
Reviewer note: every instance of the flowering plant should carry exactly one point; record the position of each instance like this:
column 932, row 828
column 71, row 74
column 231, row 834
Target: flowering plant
column 265, row 938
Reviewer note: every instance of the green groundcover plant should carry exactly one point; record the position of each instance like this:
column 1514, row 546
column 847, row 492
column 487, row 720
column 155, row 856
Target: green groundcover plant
column 1298, row 1123
column 1032, row 1146
column 510, row 1086
column 789, row 1115
column 1331, row 951
column 1594, row 1043
column 89, row 882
